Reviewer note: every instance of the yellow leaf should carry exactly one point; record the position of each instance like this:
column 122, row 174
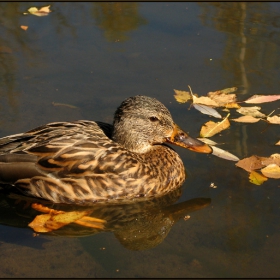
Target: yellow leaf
column 182, row 96
column 205, row 101
column 32, row 10
column 257, row 178
column 251, row 111
column 44, row 11
column 271, row 171
column 278, row 143
column 232, row 105
column 211, row 128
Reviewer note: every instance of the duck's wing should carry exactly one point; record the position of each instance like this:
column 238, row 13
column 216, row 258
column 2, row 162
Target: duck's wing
column 56, row 149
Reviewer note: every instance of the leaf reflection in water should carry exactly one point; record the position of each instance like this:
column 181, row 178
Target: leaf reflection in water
column 138, row 225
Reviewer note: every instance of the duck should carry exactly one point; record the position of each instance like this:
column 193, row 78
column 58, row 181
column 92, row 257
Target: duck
column 84, row 162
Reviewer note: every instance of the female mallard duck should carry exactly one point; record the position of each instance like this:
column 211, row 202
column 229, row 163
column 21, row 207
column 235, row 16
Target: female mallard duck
column 87, row 161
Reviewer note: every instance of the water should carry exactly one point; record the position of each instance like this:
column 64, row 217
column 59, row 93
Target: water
column 94, row 55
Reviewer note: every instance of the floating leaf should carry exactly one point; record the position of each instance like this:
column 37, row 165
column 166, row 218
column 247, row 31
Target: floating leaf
column 207, row 141
column 232, row 105
column 44, row 11
column 211, row 128
column 182, row 96
column 222, row 99
column 274, row 119
column 223, row 154
column 50, row 222
column 246, row 119
column 204, row 100
column 262, row 99
column 24, row 27
column 271, row 171
column 250, row 163
column 217, row 151
column 257, row 178
column 224, row 91
column 251, row 111
column 207, row 110
column 275, row 158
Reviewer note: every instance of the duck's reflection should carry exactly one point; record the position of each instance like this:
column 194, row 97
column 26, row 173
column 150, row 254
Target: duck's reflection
column 138, row 225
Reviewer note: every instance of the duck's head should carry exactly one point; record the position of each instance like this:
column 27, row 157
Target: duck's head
column 141, row 122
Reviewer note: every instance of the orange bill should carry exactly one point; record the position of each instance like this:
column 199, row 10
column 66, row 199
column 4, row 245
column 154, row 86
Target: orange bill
column 182, row 139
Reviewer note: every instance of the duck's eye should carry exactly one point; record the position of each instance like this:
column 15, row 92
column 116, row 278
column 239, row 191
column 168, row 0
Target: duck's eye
column 153, row 119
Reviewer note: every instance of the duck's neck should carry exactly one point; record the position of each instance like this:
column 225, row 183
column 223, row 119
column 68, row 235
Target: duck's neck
column 130, row 140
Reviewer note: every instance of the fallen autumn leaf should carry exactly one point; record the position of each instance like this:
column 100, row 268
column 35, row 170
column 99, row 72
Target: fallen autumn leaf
column 44, row 11
column 262, row 99
column 251, row 111
column 211, row 128
column 271, row 171
column 257, row 178
column 246, row 119
column 273, row 120
column 182, row 96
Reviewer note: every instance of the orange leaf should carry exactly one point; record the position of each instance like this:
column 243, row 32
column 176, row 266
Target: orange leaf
column 24, row 27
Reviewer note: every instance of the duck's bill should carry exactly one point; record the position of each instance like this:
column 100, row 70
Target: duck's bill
column 182, row 139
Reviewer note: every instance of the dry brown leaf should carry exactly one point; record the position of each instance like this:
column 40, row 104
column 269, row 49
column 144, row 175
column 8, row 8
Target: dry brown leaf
column 182, row 96
column 262, row 98
column 250, row 163
column 222, row 99
column 278, row 143
column 246, row 119
column 271, row 171
column 274, row 119
column 251, row 111
column 24, row 27
column 211, row 128
column 257, row 178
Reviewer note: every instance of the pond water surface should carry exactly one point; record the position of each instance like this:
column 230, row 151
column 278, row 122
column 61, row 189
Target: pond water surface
column 80, row 62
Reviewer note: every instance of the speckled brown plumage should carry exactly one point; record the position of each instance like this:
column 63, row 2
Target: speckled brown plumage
column 87, row 161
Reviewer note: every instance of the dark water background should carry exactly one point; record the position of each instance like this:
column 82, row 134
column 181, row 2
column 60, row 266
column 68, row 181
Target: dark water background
column 94, row 55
